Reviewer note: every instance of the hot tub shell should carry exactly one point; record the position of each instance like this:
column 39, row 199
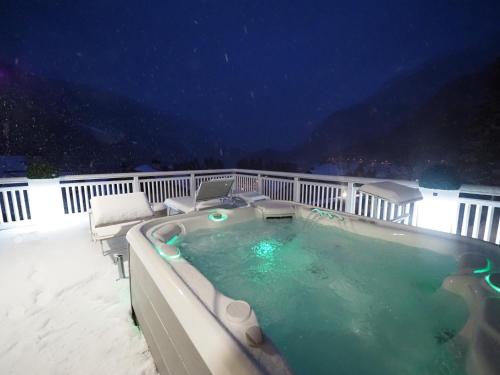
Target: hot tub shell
column 188, row 325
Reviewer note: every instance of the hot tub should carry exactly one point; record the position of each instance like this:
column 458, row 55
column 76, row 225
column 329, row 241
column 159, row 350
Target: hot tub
column 283, row 289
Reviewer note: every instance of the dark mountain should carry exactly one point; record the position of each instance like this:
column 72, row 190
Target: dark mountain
column 395, row 105
column 80, row 129
column 459, row 125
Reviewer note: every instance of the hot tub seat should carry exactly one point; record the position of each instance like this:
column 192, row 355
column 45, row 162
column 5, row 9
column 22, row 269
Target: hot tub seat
column 274, row 209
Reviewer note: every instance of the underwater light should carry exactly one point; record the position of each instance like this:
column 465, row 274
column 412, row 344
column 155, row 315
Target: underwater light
column 266, row 248
column 485, row 269
column 217, row 216
column 172, row 240
column 493, row 280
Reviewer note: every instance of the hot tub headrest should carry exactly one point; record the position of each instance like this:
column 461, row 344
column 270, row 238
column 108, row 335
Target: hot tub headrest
column 166, row 232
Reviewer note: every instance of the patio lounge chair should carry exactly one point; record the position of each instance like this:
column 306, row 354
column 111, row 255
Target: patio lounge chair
column 112, row 216
column 394, row 193
column 210, row 194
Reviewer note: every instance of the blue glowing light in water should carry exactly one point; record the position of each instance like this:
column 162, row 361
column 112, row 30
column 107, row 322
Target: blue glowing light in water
column 266, row 248
column 217, row 216
column 172, row 240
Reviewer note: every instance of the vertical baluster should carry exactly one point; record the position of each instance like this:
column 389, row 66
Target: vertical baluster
column 74, row 199
column 163, row 191
column 79, row 199
column 372, row 206
column 386, row 207
column 2, row 193
column 488, row 224
column 322, row 196
column 65, row 198
column 360, row 203
column 367, row 199
column 15, row 207
column 413, row 214
column 22, row 198
column 392, row 205
column 465, row 221
column 337, row 198
column 407, row 212
column 497, row 239
column 6, row 205
column 88, row 196
column 477, row 221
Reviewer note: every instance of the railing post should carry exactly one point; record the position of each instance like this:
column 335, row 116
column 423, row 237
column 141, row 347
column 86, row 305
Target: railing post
column 296, row 189
column 350, row 198
column 259, row 183
column 136, row 187
column 236, row 184
column 45, row 200
column 192, row 185
column 438, row 210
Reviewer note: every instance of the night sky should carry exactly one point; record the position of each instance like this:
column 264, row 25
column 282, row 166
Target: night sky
column 260, row 72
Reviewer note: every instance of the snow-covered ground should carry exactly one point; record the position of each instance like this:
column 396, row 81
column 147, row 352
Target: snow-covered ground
column 62, row 310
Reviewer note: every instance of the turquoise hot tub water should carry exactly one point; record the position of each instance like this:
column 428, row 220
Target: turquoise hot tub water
column 334, row 302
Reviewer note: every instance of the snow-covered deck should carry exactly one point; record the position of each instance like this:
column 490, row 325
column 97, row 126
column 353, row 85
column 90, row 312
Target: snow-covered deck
column 62, row 310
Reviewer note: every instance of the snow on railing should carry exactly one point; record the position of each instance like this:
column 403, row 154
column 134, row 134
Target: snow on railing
column 472, row 211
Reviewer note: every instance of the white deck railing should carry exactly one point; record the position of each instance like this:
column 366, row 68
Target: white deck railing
column 472, row 211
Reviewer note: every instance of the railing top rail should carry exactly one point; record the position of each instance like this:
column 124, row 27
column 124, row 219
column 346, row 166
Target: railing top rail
column 346, row 179
column 13, row 180
column 141, row 174
column 471, row 189
column 480, row 189
column 479, row 201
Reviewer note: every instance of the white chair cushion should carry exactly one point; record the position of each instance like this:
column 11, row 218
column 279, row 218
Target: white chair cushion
column 115, row 230
column 120, row 208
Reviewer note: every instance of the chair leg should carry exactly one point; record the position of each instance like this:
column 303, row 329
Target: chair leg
column 102, row 247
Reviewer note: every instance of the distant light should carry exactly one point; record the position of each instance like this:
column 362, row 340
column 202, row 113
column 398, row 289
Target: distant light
column 217, row 216
column 344, row 194
column 487, row 268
